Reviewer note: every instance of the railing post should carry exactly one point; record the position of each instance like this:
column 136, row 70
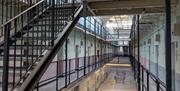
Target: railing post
column 142, row 74
column 147, row 84
column 168, row 46
column 69, row 79
column 57, row 74
column 66, row 64
column 73, row 9
column 157, row 87
column 6, row 57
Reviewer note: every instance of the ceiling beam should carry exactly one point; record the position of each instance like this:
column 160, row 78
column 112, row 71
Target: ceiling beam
column 127, row 4
column 123, row 34
column 122, row 39
column 128, row 11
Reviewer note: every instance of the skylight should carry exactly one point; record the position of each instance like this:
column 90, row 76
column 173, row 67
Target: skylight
column 120, row 27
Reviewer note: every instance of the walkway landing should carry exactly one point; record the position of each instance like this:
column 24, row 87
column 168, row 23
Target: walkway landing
column 119, row 78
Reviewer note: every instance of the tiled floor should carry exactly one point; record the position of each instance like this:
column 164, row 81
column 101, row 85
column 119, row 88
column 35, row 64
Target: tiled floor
column 114, row 82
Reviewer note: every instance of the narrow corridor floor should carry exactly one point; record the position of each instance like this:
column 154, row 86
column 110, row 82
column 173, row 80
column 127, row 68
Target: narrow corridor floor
column 119, row 78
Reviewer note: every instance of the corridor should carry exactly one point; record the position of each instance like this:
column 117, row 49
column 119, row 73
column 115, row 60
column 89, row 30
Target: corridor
column 125, row 80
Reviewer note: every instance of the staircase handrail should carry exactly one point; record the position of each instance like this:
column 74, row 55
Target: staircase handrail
column 25, row 11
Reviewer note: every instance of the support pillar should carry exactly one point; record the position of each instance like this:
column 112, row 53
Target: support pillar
column 138, row 55
column 85, row 35
column 168, row 45
column 6, row 58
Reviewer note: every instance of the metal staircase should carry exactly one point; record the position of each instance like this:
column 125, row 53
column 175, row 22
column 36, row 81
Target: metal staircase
column 31, row 40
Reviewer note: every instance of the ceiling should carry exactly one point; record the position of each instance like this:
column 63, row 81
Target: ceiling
column 126, row 7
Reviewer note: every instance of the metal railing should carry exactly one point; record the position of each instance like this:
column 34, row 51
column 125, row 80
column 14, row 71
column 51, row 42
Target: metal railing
column 75, row 69
column 148, row 81
column 26, row 37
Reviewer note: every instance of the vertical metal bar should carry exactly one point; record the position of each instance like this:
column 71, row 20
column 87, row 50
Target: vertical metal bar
column 139, row 82
column 37, row 42
column 41, row 31
column 18, row 10
column 11, row 8
column 95, row 44
column 157, row 87
column 37, row 89
column 21, row 48
column 69, row 71
column 101, row 45
column 73, row 9
column 14, row 67
column 147, row 78
column 134, row 63
column 32, row 33
column 168, row 46
column 52, row 23
column 84, row 16
column 49, row 30
column 27, row 41
column 2, row 10
column 77, row 68
column 6, row 57
column 66, row 59
column 57, row 75
column 134, row 42
column 37, row 36
column 89, row 62
column 15, row 8
column 46, row 30
column 142, row 74
column 7, row 11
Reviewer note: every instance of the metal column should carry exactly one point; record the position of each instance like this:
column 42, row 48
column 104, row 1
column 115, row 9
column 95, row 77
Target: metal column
column 85, row 35
column 168, row 45
column 6, row 58
column 134, row 64
column 139, row 83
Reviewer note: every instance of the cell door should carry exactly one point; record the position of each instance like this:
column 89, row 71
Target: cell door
column 173, row 59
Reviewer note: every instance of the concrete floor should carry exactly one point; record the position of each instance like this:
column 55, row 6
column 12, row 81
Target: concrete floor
column 113, row 84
